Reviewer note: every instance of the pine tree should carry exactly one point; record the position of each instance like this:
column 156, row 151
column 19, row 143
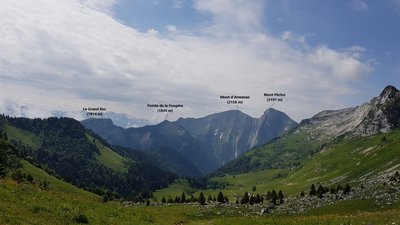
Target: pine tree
column 170, row 200
column 29, row 178
column 245, row 198
column 183, row 197
column 220, row 197
column 254, row 188
column 269, row 196
column 339, row 188
column 320, row 191
column 313, row 191
column 163, row 200
column 18, row 176
column 280, row 197
column 347, row 189
column 147, row 202
column 302, row 194
column 258, row 199
column 274, row 196
column 201, row 199
column 209, row 199
column 251, row 200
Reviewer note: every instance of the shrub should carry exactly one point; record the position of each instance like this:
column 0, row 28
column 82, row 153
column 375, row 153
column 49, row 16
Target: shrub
column 81, row 218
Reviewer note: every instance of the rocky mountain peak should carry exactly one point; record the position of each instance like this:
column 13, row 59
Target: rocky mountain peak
column 389, row 91
column 380, row 114
column 383, row 113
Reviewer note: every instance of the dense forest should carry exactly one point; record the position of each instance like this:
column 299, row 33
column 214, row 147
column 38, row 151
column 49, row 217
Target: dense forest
column 64, row 150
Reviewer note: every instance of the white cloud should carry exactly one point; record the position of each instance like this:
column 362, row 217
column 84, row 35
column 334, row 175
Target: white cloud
column 177, row 4
column 59, row 54
column 152, row 32
column 343, row 65
column 232, row 15
column 359, row 5
column 100, row 5
column 171, row 28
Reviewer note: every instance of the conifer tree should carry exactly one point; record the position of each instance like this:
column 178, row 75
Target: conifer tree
column 183, row 197
column 209, row 199
column 269, row 195
column 258, row 199
column 313, row 191
column 347, row 189
column 201, row 199
column 320, row 191
column 245, row 198
column 220, row 197
column 280, row 197
column 274, row 196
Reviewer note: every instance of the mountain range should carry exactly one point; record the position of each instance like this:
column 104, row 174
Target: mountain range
column 356, row 148
column 29, row 110
column 207, row 143
column 380, row 115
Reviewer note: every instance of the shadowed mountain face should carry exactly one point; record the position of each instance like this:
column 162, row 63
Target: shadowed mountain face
column 232, row 133
column 207, row 143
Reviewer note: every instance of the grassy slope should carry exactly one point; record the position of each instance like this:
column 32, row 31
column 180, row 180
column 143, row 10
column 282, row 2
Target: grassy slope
column 174, row 189
column 108, row 157
column 340, row 162
column 55, row 183
column 25, row 137
column 289, row 151
column 27, row 204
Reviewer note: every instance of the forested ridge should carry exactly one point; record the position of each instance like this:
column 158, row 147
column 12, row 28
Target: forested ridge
column 61, row 146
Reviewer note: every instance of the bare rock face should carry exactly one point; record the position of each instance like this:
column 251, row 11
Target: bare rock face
column 381, row 114
column 232, row 133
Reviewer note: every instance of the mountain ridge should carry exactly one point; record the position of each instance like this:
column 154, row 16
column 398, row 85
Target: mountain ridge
column 379, row 115
column 207, row 142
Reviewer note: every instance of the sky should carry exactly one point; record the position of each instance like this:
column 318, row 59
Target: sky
column 125, row 54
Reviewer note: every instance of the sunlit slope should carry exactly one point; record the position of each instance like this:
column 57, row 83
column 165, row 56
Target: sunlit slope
column 342, row 161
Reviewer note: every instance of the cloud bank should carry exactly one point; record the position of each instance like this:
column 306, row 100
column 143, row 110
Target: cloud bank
column 64, row 54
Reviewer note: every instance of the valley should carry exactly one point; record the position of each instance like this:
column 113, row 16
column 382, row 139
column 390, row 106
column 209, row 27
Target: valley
column 338, row 167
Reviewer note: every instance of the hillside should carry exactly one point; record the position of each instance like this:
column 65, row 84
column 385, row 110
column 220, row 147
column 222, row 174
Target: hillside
column 62, row 203
column 64, row 148
column 343, row 161
column 380, row 114
column 295, row 161
column 166, row 142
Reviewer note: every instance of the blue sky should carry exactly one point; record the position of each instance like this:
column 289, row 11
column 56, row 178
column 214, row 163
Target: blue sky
column 374, row 25
column 125, row 54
